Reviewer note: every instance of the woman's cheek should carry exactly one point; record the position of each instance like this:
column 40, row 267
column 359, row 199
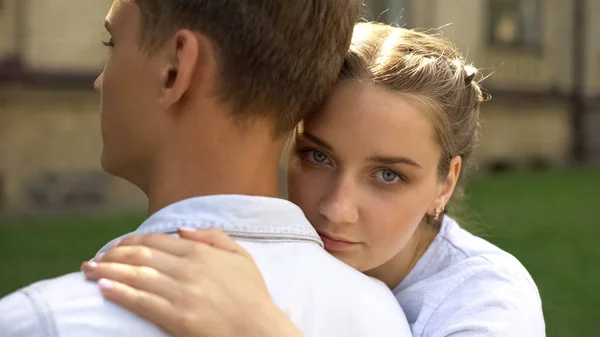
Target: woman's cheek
column 388, row 223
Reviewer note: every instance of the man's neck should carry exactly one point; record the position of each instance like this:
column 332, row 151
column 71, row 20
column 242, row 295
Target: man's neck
column 221, row 162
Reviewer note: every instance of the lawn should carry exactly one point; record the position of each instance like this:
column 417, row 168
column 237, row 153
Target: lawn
column 548, row 220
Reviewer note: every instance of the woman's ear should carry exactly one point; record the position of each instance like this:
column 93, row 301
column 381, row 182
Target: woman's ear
column 447, row 186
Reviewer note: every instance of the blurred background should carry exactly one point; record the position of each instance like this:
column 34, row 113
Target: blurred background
column 535, row 192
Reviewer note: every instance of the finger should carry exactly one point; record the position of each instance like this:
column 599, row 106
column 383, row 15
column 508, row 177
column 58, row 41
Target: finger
column 141, row 278
column 214, row 237
column 143, row 256
column 162, row 242
column 146, row 305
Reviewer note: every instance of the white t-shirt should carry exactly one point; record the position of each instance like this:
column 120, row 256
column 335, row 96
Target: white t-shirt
column 465, row 286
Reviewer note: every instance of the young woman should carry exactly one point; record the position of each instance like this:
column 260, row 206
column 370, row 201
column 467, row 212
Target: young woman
column 374, row 172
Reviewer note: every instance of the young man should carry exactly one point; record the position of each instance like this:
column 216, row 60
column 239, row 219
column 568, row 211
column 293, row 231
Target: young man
column 198, row 97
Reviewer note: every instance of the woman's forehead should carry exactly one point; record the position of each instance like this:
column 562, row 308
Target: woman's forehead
column 367, row 121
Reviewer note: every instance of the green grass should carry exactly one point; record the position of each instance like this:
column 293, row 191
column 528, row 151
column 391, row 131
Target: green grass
column 548, row 220
column 39, row 248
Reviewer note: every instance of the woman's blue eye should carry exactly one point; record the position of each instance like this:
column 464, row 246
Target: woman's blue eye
column 317, row 157
column 387, row 176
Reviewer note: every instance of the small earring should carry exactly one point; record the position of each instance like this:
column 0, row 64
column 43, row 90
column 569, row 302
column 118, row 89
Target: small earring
column 438, row 211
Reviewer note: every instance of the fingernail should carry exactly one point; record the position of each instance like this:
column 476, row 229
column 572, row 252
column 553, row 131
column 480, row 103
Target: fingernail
column 115, row 243
column 89, row 266
column 105, row 284
column 98, row 257
column 187, row 229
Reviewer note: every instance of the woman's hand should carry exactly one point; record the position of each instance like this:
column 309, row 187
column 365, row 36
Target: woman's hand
column 202, row 284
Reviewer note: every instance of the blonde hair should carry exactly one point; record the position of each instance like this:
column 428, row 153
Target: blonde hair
column 426, row 69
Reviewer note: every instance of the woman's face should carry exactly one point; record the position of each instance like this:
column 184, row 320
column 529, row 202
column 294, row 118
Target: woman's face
column 364, row 171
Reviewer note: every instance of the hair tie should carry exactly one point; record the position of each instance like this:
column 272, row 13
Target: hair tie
column 469, row 79
column 470, row 71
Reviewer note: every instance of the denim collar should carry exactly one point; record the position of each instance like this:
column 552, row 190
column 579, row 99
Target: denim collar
column 242, row 217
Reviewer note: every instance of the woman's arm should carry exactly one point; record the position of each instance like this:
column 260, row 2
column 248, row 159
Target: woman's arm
column 202, row 284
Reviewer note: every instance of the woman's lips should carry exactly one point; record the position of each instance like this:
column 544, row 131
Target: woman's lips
column 334, row 243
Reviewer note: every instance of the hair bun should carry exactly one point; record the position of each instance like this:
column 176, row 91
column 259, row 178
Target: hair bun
column 470, row 72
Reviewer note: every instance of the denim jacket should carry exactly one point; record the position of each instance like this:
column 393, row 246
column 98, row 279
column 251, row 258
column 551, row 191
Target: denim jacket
column 321, row 295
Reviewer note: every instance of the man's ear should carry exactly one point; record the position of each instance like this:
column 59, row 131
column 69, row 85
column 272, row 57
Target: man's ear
column 190, row 61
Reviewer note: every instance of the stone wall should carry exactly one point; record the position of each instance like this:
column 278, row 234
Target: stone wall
column 50, row 154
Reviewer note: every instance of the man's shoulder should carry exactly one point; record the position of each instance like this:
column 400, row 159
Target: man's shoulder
column 320, row 293
column 364, row 306
column 313, row 266
column 304, row 260
column 357, row 290
column 67, row 306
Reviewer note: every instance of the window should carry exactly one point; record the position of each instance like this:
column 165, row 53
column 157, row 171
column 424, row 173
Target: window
column 515, row 23
column 389, row 11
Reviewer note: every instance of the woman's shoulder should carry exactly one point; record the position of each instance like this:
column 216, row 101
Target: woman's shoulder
column 456, row 254
column 460, row 263
column 496, row 299
column 469, row 250
column 468, row 283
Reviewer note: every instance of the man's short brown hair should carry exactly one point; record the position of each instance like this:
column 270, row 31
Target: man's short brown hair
column 280, row 57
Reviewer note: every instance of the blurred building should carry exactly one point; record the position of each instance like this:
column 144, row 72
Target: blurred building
column 50, row 53
column 539, row 54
